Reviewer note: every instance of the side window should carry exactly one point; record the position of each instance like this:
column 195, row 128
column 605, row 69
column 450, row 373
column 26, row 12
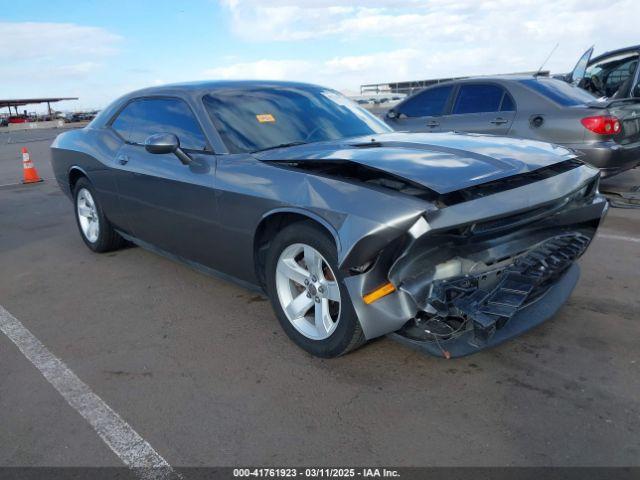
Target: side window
column 619, row 75
column 611, row 74
column 160, row 115
column 478, row 99
column 124, row 121
column 428, row 103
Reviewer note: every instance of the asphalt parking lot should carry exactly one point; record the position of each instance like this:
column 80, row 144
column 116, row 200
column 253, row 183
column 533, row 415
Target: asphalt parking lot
column 201, row 370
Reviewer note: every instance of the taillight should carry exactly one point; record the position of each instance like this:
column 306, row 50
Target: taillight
column 602, row 124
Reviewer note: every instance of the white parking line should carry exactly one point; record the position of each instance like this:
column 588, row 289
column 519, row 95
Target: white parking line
column 622, row 238
column 123, row 440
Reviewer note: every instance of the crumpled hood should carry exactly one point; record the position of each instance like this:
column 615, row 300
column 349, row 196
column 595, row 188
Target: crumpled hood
column 443, row 162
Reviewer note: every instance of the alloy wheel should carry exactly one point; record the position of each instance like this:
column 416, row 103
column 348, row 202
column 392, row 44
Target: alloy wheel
column 308, row 291
column 88, row 215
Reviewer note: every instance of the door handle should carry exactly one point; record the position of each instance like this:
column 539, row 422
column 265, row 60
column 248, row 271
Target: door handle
column 432, row 123
column 123, row 159
column 499, row 121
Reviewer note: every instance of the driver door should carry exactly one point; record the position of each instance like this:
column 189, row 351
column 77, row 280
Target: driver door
column 423, row 112
column 580, row 69
column 165, row 203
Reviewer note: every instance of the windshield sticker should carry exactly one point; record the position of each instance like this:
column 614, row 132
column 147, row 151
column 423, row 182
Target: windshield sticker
column 265, row 118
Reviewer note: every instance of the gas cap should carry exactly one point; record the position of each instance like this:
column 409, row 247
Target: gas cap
column 536, row 121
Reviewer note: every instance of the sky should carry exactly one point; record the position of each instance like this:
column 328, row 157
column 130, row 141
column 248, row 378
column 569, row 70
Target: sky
column 98, row 50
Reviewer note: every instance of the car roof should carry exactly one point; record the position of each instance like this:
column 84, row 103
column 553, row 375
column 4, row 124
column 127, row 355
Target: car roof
column 203, row 87
column 493, row 78
column 619, row 51
column 500, row 77
column 194, row 90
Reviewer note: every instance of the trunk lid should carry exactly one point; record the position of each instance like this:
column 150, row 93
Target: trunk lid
column 628, row 112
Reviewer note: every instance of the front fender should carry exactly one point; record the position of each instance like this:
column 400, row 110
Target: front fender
column 305, row 213
column 364, row 239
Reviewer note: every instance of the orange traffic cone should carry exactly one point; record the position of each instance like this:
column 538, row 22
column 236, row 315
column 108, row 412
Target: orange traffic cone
column 30, row 174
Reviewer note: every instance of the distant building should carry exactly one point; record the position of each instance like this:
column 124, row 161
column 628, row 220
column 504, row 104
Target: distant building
column 20, row 102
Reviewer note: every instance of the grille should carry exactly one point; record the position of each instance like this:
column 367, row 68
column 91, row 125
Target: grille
column 526, row 280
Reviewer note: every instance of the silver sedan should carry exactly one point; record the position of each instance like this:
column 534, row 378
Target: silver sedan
column 605, row 132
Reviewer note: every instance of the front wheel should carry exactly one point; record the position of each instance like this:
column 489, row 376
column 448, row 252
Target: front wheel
column 307, row 292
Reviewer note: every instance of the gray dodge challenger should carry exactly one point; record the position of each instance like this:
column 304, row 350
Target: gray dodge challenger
column 449, row 242
column 606, row 132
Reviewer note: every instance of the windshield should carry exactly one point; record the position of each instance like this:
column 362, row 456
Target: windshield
column 252, row 119
column 560, row 92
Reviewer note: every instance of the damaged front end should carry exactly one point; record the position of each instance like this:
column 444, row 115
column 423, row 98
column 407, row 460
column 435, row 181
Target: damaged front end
column 481, row 271
column 464, row 313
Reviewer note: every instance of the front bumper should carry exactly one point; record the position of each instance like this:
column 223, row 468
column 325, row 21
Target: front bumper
column 486, row 311
column 525, row 319
column 610, row 157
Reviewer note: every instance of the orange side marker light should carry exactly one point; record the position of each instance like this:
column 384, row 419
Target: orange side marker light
column 378, row 293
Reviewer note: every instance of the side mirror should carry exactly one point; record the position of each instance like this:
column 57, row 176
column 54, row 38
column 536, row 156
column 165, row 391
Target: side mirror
column 162, row 143
column 392, row 114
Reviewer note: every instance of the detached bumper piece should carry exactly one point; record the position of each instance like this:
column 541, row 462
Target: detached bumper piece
column 468, row 316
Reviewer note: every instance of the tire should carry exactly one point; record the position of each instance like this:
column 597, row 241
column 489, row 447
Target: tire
column 106, row 238
column 341, row 331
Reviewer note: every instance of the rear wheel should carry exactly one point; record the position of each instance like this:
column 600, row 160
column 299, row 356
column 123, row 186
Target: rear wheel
column 308, row 294
column 96, row 231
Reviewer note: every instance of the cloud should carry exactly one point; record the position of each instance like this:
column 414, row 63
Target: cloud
column 438, row 38
column 40, row 59
column 53, row 41
column 43, row 53
column 75, row 70
column 436, row 20
column 266, row 69
column 345, row 72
